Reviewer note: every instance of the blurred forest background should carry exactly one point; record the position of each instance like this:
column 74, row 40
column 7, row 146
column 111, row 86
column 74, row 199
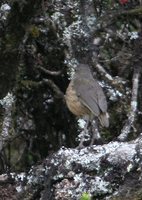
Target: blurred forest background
column 41, row 43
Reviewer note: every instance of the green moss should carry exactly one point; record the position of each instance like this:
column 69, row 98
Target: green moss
column 28, row 84
column 85, row 196
column 34, row 31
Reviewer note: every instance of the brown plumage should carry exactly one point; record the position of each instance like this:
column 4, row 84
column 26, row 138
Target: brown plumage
column 84, row 96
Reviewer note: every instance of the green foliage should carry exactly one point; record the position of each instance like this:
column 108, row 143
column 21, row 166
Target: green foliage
column 85, row 196
column 34, row 31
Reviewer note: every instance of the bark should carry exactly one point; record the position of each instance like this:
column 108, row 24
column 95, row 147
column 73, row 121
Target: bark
column 12, row 33
column 109, row 171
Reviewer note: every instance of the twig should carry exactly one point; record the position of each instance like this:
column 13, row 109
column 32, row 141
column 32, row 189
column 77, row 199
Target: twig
column 113, row 15
column 103, row 71
column 53, row 73
column 131, row 115
column 115, row 82
column 50, row 83
column 54, row 87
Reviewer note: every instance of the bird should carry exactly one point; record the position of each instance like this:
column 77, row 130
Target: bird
column 85, row 97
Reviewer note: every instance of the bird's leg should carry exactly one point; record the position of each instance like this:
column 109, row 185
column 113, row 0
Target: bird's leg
column 96, row 137
column 85, row 132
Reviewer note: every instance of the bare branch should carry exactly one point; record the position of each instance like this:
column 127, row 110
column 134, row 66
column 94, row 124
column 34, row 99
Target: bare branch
column 113, row 15
column 50, row 83
column 103, row 71
column 46, row 71
column 131, row 115
column 54, row 87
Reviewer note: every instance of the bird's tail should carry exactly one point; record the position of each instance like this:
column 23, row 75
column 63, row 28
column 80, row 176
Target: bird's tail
column 104, row 119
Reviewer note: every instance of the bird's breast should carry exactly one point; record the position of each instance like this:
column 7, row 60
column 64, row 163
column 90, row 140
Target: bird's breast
column 73, row 102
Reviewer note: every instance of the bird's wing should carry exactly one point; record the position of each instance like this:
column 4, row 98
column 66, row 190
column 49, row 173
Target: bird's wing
column 91, row 94
column 101, row 97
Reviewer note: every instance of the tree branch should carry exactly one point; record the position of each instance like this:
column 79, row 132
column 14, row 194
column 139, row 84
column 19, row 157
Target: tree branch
column 54, row 87
column 131, row 115
column 46, row 71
